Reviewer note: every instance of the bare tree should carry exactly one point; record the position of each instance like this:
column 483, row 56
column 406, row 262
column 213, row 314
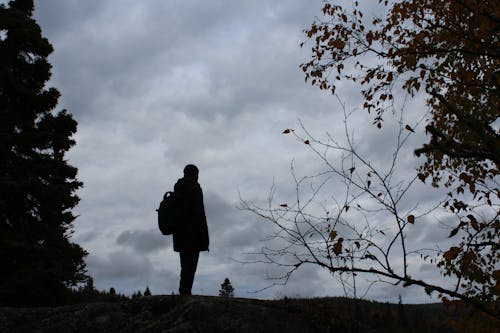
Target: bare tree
column 354, row 217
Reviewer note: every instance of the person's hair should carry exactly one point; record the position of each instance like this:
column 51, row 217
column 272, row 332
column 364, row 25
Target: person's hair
column 191, row 170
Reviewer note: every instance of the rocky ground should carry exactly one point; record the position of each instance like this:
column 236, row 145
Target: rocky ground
column 212, row 314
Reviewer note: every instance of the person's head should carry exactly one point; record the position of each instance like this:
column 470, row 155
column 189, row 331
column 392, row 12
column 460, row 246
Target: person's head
column 191, row 171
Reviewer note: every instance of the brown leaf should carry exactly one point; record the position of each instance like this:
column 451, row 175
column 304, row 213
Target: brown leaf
column 306, row 142
column 368, row 255
column 284, row 205
column 411, row 219
column 451, row 254
column 474, row 225
column 472, row 218
column 337, row 247
column 422, row 177
column 454, row 232
column 333, row 234
column 288, row 130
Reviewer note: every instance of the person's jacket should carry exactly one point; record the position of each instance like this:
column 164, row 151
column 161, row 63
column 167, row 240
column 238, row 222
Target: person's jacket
column 191, row 229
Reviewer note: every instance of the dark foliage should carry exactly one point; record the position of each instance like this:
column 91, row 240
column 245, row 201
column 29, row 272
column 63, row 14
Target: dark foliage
column 87, row 293
column 37, row 185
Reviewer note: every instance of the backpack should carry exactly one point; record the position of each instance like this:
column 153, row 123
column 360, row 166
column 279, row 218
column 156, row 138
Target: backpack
column 167, row 214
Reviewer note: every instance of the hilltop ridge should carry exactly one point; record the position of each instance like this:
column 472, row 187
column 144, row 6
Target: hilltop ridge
column 207, row 314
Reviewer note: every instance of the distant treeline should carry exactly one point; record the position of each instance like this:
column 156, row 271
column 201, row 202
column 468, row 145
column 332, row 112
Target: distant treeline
column 88, row 293
column 341, row 314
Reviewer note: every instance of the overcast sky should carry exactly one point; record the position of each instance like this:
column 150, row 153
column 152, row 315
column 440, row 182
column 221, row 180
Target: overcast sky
column 155, row 85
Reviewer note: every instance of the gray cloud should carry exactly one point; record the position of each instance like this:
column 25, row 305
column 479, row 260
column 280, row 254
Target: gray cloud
column 87, row 236
column 142, row 241
column 129, row 273
column 156, row 85
column 119, row 265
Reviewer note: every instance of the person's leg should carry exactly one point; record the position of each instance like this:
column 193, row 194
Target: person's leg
column 189, row 262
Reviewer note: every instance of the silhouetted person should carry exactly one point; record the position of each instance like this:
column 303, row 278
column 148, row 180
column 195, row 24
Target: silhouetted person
column 191, row 235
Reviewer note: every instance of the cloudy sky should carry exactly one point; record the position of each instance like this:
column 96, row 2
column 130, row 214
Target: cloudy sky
column 158, row 84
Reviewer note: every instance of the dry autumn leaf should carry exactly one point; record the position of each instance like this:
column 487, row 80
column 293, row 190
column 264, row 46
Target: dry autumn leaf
column 337, row 247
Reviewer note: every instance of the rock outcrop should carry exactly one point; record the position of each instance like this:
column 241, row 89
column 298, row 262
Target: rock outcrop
column 180, row 314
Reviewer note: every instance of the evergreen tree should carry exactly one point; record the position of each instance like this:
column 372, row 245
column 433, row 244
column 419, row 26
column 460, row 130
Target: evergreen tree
column 226, row 289
column 136, row 295
column 89, row 286
column 36, row 183
column 147, row 292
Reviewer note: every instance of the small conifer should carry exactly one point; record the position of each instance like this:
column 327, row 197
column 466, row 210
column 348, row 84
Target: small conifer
column 226, row 289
